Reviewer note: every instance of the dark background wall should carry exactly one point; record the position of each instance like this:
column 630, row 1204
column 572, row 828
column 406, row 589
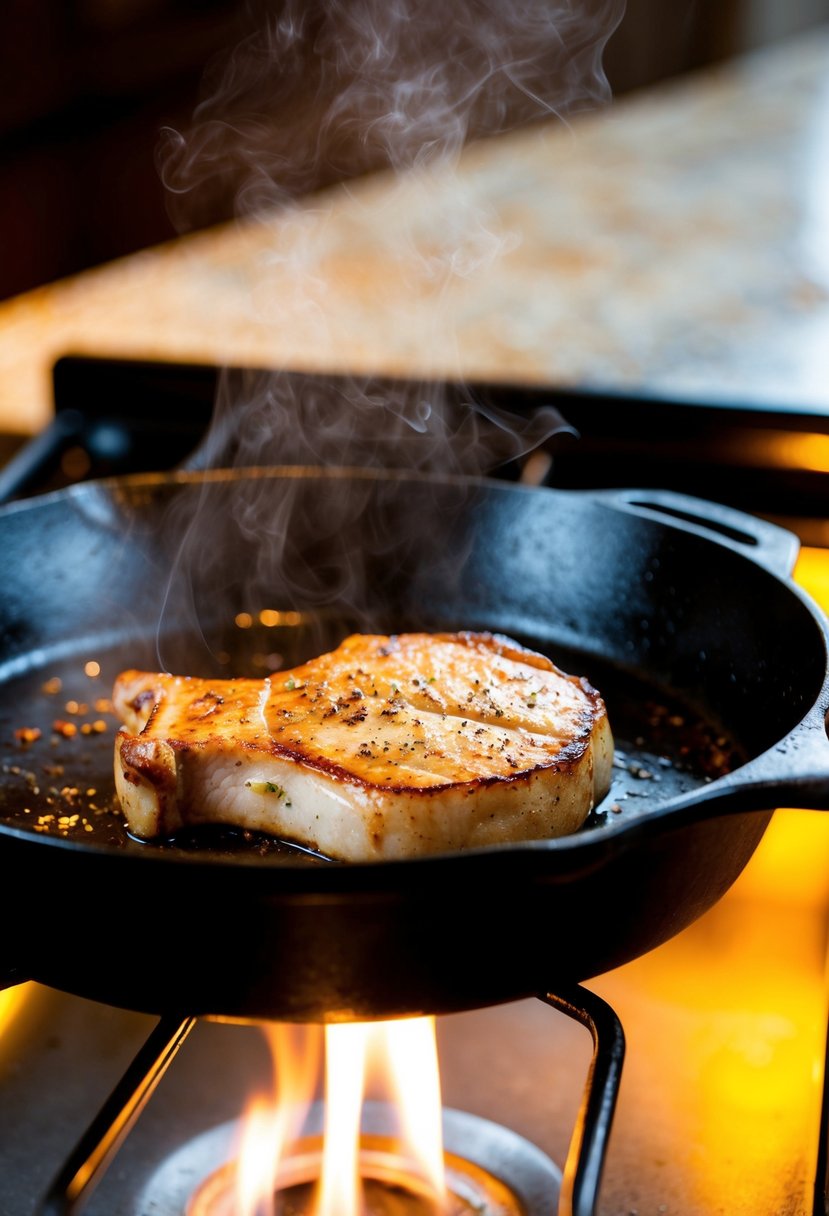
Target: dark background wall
column 88, row 85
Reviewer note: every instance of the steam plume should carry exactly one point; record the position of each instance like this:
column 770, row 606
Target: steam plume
column 320, row 91
column 323, row 90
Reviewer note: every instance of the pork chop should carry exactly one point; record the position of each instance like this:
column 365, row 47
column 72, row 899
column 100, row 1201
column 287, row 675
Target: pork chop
column 386, row 747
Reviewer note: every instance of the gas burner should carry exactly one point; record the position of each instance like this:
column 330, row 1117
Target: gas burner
column 490, row 1170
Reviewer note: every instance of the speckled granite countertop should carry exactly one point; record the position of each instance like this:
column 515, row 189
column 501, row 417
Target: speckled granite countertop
column 677, row 243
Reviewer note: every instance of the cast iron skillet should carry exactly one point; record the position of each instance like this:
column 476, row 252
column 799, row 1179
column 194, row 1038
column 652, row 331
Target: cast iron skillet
column 681, row 612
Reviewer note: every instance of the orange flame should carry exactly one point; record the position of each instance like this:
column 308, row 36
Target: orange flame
column 272, row 1124
column 405, row 1056
column 345, row 1070
column 398, row 1059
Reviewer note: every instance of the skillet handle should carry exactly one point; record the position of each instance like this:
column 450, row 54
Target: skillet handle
column 770, row 546
column 794, row 773
column 798, row 766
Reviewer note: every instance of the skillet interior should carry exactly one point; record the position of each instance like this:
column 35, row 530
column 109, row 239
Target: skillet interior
column 60, row 785
column 635, row 603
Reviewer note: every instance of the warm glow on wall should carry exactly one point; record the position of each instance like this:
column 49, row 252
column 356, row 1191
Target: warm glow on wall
column 812, row 573
column 792, row 863
column 12, row 1001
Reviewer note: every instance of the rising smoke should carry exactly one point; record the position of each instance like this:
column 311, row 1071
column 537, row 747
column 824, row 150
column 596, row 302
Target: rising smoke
column 323, row 90
column 318, row 92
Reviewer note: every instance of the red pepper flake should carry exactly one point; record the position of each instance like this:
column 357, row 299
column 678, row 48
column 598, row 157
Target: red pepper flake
column 27, row 734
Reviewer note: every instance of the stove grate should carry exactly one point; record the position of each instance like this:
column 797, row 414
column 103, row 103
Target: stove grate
column 78, row 1177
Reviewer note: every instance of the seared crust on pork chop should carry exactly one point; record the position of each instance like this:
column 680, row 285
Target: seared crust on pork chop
column 386, row 747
